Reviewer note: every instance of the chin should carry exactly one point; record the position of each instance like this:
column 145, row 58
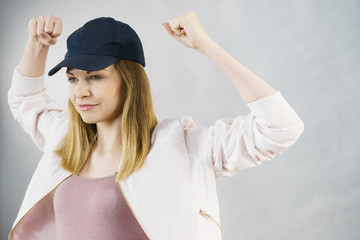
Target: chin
column 89, row 120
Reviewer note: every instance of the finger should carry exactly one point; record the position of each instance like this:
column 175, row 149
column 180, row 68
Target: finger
column 171, row 32
column 32, row 27
column 167, row 27
column 175, row 26
column 177, row 30
column 57, row 28
column 40, row 25
column 49, row 23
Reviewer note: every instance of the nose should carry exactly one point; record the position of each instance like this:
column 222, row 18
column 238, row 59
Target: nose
column 82, row 89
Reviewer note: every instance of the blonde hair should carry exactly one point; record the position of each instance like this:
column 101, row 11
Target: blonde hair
column 138, row 123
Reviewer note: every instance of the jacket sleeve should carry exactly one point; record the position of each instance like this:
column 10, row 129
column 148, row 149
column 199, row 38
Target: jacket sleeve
column 37, row 114
column 233, row 144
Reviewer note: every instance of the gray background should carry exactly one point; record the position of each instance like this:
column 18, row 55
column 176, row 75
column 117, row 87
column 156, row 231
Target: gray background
column 308, row 50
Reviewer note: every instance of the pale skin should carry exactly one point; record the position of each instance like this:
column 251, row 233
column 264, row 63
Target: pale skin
column 103, row 89
column 185, row 28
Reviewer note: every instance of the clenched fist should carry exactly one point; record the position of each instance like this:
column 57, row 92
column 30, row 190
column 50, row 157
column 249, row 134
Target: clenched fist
column 188, row 30
column 45, row 29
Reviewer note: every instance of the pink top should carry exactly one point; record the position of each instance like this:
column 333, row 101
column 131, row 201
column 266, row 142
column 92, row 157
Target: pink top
column 93, row 208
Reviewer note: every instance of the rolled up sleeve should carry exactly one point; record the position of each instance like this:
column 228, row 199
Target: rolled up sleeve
column 233, row 144
column 37, row 114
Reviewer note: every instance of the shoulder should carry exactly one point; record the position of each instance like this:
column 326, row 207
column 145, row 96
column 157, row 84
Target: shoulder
column 59, row 129
column 183, row 122
column 173, row 127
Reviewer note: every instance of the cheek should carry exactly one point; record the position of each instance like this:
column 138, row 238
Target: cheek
column 111, row 98
column 111, row 93
column 71, row 95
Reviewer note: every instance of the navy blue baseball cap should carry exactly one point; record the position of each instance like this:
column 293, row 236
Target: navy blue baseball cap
column 100, row 43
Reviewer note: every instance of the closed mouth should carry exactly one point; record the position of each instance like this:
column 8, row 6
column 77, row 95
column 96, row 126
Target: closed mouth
column 86, row 107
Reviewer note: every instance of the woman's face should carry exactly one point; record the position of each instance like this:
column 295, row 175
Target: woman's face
column 95, row 95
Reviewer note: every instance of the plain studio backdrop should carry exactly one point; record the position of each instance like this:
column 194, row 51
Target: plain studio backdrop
column 308, row 50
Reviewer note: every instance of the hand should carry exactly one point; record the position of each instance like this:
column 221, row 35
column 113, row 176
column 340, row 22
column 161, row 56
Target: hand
column 188, row 30
column 45, row 29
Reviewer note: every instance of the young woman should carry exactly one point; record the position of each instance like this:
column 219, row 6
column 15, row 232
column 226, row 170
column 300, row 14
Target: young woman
column 110, row 170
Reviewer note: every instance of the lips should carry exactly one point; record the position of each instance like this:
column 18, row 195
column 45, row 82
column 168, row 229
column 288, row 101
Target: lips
column 86, row 107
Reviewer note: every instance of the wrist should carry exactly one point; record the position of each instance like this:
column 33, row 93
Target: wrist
column 207, row 46
column 37, row 48
column 33, row 61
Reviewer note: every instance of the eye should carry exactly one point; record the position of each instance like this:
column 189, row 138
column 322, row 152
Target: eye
column 71, row 79
column 93, row 77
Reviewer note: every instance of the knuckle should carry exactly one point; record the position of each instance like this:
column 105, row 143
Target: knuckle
column 49, row 16
column 59, row 20
column 32, row 20
column 173, row 22
column 191, row 13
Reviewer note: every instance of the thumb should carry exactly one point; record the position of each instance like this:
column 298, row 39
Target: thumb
column 46, row 39
column 168, row 29
column 43, row 36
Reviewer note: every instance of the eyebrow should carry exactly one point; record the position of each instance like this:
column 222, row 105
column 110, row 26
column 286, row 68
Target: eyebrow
column 87, row 72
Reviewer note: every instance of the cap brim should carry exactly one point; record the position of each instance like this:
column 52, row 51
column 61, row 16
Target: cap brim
column 85, row 62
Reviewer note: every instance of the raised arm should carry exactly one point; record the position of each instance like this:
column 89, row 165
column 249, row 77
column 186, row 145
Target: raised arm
column 188, row 30
column 43, row 32
column 232, row 144
column 37, row 114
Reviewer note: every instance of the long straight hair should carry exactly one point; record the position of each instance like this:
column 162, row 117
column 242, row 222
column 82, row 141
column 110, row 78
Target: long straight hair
column 137, row 125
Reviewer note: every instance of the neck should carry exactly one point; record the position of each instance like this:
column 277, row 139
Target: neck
column 109, row 137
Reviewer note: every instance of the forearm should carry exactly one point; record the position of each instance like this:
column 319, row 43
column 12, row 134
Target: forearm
column 33, row 60
column 249, row 85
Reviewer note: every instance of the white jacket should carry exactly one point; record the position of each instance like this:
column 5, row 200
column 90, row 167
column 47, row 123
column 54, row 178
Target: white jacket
column 174, row 195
